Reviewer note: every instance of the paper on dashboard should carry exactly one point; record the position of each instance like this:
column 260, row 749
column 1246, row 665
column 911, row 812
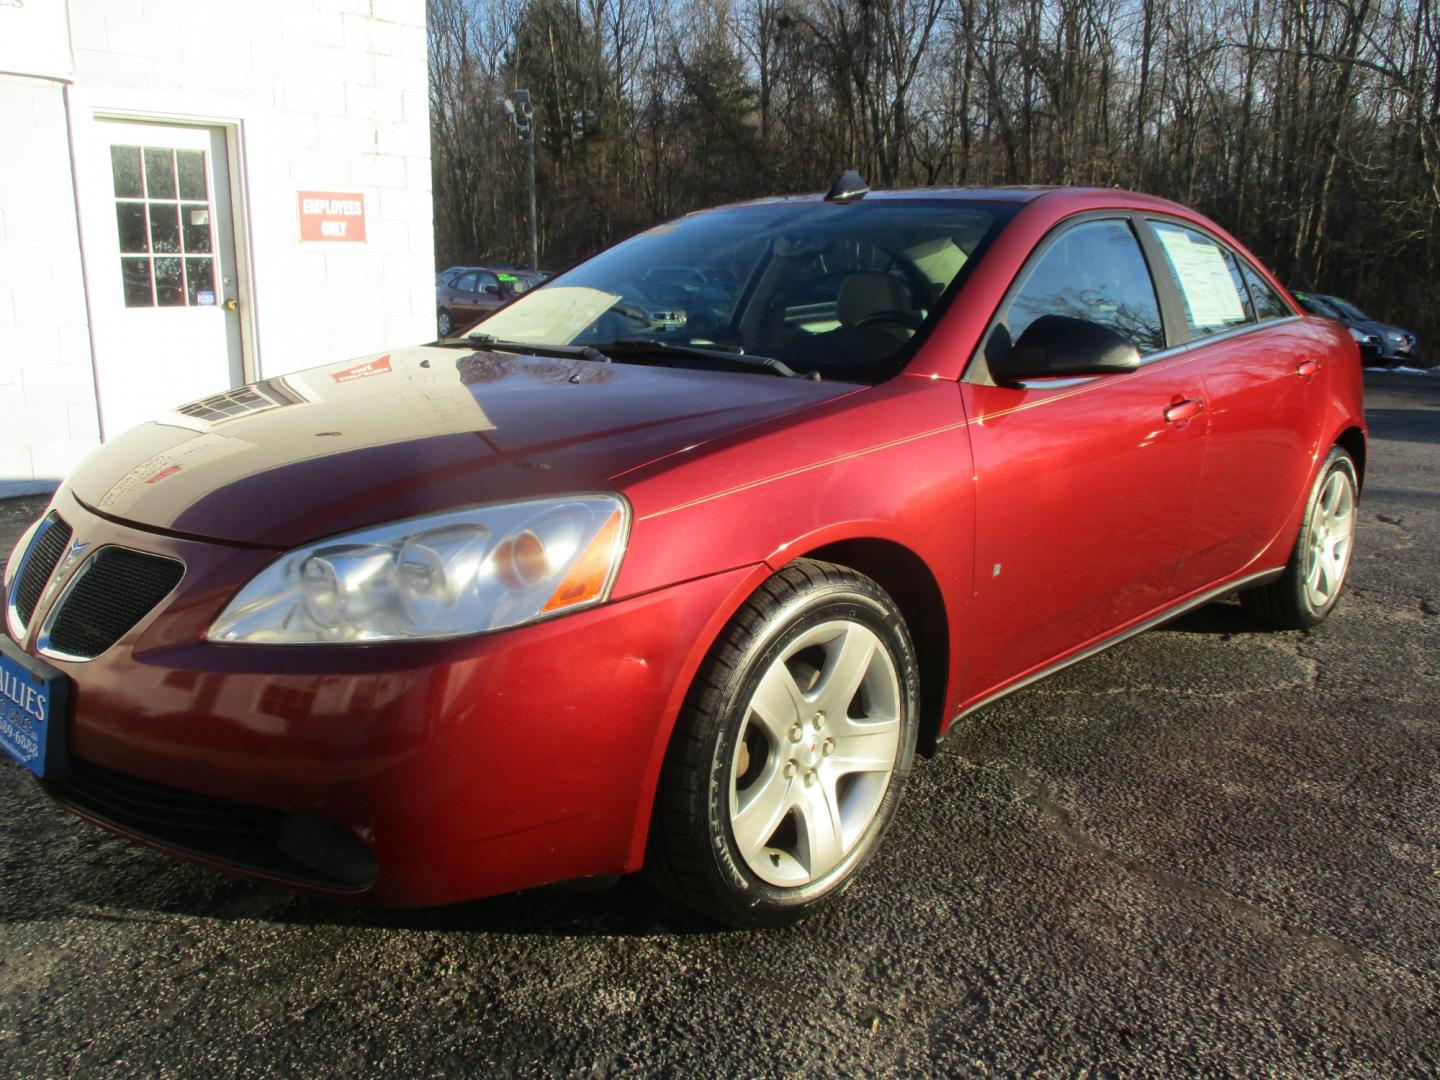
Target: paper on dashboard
column 555, row 314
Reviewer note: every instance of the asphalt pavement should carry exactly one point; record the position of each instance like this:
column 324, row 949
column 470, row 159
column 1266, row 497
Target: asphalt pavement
column 1214, row 849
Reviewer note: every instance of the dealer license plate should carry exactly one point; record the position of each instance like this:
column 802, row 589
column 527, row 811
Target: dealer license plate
column 33, row 698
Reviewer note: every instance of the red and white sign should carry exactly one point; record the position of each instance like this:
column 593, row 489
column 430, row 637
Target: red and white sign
column 332, row 215
column 363, row 371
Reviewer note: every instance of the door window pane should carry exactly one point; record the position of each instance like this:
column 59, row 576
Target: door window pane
column 199, row 277
column 1209, row 284
column 125, row 170
column 195, row 223
column 164, row 228
column 190, row 165
column 135, row 273
column 159, row 173
column 130, row 217
column 169, row 283
column 1094, row 271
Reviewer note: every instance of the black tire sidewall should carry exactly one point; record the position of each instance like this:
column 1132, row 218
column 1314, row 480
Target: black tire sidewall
column 802, row 612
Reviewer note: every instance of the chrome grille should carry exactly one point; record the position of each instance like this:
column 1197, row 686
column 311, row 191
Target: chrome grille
column 112, row 591
column 37, row 564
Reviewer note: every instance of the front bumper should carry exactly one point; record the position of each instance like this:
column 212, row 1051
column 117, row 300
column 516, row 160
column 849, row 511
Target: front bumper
column 464, row 768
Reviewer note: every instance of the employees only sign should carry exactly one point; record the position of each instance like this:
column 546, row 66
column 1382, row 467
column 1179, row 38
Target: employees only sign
column 332, row 215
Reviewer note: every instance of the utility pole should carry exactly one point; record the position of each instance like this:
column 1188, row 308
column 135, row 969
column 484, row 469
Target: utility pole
column 523, row 113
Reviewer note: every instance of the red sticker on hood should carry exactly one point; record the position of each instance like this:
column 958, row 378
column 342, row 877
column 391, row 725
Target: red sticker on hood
column 363, row 371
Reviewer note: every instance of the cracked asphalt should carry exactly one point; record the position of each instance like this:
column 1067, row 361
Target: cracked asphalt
column 1214, row 849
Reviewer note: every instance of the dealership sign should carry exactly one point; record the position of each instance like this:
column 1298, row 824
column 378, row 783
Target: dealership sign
column 332, row 215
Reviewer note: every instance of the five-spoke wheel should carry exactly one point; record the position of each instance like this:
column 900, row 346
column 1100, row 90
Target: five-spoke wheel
column 1308, row 589
column 814, row 758
column 789, row 758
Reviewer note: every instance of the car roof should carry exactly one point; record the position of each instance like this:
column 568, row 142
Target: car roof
column 1021, row 194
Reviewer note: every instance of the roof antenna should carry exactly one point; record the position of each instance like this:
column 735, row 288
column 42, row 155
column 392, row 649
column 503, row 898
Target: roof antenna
column 847, row 186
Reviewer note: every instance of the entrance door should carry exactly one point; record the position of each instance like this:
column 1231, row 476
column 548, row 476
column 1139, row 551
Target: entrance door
column 160, row 258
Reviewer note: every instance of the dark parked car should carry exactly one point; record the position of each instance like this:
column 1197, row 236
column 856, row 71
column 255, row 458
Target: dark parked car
column 1394, row 345
column 1369, row 343
column 464, row 294
column 577, row 598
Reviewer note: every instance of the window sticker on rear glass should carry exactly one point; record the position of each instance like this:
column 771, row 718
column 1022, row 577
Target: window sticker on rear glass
column 1204, row 278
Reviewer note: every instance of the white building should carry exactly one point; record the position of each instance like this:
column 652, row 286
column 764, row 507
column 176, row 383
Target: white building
column 196, row 194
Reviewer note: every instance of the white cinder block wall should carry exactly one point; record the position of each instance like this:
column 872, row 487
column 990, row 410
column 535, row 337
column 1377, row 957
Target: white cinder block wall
column 321, row 95
column 48, row 418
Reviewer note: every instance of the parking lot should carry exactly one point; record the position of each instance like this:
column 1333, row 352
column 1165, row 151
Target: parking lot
column 1212, row 849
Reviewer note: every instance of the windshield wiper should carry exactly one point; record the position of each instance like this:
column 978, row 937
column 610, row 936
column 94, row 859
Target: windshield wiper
column 730, row 354
column 526, row 348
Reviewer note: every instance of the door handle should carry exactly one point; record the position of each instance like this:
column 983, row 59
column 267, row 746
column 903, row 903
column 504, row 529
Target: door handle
column 1183, row 410
column 231, row 305
column 1307, row 368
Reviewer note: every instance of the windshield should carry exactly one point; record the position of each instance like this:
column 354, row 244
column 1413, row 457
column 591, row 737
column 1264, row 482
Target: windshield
column 1316, row 306
column 839, row 289
column 1349, row 309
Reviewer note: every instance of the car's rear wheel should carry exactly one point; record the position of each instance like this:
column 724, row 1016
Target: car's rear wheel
column 792, row 750
column 443, row 325
column 1320, row 561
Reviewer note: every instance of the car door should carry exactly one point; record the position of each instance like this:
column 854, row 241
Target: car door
column 488, row 295
column 1256, row 361
column 1084, row 487
column 460, row 299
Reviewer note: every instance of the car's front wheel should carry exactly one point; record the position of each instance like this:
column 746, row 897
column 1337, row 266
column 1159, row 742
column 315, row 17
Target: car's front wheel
column 1320, row 561
column 443, row 324
column 790, row 755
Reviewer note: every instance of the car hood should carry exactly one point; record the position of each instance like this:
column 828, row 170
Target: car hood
column 323, row 451
column 1369, row 326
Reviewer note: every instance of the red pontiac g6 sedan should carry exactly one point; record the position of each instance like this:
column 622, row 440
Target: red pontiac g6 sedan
column 599, row 590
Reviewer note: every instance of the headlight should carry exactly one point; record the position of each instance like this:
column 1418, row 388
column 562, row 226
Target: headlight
column 1360, row 335
column 435, row 577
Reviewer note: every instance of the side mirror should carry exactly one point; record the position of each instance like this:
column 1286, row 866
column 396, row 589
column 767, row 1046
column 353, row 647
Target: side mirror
column 1057, row 346
column 493, row 290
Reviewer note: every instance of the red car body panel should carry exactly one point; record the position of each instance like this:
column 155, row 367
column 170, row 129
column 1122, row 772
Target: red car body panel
column 481, row 765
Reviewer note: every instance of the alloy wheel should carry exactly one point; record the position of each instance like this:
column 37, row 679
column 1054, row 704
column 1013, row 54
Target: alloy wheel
column 815, row 755
column 1332, row 535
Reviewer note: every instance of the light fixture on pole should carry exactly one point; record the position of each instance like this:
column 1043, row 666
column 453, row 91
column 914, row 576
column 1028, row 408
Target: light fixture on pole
column 520, row 108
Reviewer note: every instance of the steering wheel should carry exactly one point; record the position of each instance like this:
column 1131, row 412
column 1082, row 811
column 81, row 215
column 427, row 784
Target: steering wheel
column 911, row 319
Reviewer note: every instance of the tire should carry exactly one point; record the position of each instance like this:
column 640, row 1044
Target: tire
column 443, row 325
column 779, row 780
column 1320, row 561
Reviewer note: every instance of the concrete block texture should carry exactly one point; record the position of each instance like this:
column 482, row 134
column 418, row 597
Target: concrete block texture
column 312, row 95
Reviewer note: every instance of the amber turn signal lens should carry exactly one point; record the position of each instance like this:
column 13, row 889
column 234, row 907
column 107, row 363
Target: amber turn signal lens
column 587, row 577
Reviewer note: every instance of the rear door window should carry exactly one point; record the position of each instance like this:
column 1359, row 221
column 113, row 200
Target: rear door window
column 1213, row 293
column 1093, row 271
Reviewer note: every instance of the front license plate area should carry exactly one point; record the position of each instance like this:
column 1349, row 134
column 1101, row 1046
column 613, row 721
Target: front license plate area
column 34, row 699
